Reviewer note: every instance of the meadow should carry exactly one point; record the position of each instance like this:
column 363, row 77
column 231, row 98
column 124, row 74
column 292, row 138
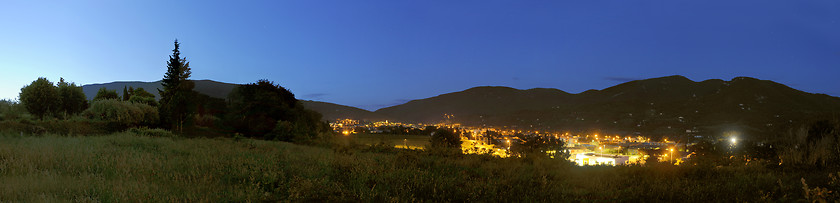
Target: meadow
column 128, row 166
column 399, row 141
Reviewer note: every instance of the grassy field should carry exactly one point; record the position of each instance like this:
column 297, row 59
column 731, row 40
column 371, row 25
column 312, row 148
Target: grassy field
column 400, row 141
column 127, row 167
column 124, row 166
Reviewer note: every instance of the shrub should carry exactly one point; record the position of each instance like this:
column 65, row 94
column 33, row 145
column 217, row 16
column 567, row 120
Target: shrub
column 539, row 146
column 143, row 100
column 815, row 145
column 207, row 121
column 122, row 112
column 40, row 98
column 105, row 94
column 10, row 110
column 445, row 137
column 155, row 132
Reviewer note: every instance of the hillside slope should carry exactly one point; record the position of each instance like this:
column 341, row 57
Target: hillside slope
column 666, row 106
column 476, row 103
column 332, row 111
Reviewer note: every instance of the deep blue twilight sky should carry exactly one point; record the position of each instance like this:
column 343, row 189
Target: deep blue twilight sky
column 373, row 54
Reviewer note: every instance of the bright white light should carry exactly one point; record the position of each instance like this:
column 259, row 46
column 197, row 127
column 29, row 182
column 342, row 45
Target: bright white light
column 734, row 140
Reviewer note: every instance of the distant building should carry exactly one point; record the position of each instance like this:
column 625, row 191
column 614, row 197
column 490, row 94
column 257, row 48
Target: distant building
column 590, row 158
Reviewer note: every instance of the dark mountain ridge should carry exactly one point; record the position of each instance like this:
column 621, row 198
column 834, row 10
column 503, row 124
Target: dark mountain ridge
column 665, row 106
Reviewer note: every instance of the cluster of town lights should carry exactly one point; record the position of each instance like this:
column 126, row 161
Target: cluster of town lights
column 475, row 142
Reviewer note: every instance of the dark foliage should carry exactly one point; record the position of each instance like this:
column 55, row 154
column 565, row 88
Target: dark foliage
column 71, row 98
column 255, row 108
column 140, row 95
column 814, row 145
column 177, row 108
column 40, row 98
column 105, row 94
column 445, row 137
column 534, row 146
column 264, row 109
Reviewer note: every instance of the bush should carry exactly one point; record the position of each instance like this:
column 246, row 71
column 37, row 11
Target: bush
column 539, row 146
column 40, row 98
column 143, row 100
column 445, row 137
column 156, row 132
column 59, row 127
column 298, row 131
column 10, row 110
column 207, row 121
column 122, row 112
column 105, row 94
column 815, row 145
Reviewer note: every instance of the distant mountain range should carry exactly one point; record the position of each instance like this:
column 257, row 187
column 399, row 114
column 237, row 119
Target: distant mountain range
column 666, row 106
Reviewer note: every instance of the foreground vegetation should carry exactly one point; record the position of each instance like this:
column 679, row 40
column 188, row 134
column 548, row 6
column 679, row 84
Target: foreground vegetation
column 131, row 166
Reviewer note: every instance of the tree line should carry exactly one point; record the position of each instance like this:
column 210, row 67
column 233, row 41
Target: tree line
column 261, row 109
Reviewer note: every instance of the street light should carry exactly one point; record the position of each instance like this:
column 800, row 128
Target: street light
column 672, row 154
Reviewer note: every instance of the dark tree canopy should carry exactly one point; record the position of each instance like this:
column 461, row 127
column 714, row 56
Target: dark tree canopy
column 255, row 108
column 177, row 71
column 445, row 137
column 177, row 109
column 264, row 109
column 140, row 92
column 539, row 146
column 140, row 95
column 40, row 98
column 72, row 99
column 105, row 94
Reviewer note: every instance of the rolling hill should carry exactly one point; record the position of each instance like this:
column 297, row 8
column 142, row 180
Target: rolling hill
column 666, row 106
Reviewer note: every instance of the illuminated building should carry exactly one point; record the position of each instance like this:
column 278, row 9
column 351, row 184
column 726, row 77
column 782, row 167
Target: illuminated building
column 591, row 158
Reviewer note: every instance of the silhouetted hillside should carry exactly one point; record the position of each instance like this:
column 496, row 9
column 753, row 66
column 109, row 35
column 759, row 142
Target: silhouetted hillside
column 476, row 103
column 667, row 106
column 335, row 111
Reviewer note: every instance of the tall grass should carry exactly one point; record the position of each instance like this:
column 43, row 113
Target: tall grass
column 125, row 166
column 128, row 167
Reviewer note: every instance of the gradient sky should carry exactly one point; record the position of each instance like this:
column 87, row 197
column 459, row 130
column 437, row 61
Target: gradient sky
column 373, row 54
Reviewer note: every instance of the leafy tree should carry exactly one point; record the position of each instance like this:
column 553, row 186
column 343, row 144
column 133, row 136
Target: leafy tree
column 177, row 97
column 444, row 137
column 140, row 92
column 40, row 98
column 140, row 95
column 105, row 94
column 255, row 109
column 72, row 99
column 539, row 146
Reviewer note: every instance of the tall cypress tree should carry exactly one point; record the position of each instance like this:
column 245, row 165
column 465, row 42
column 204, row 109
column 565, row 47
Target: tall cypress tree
column 176, row 105
column 125, row 94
